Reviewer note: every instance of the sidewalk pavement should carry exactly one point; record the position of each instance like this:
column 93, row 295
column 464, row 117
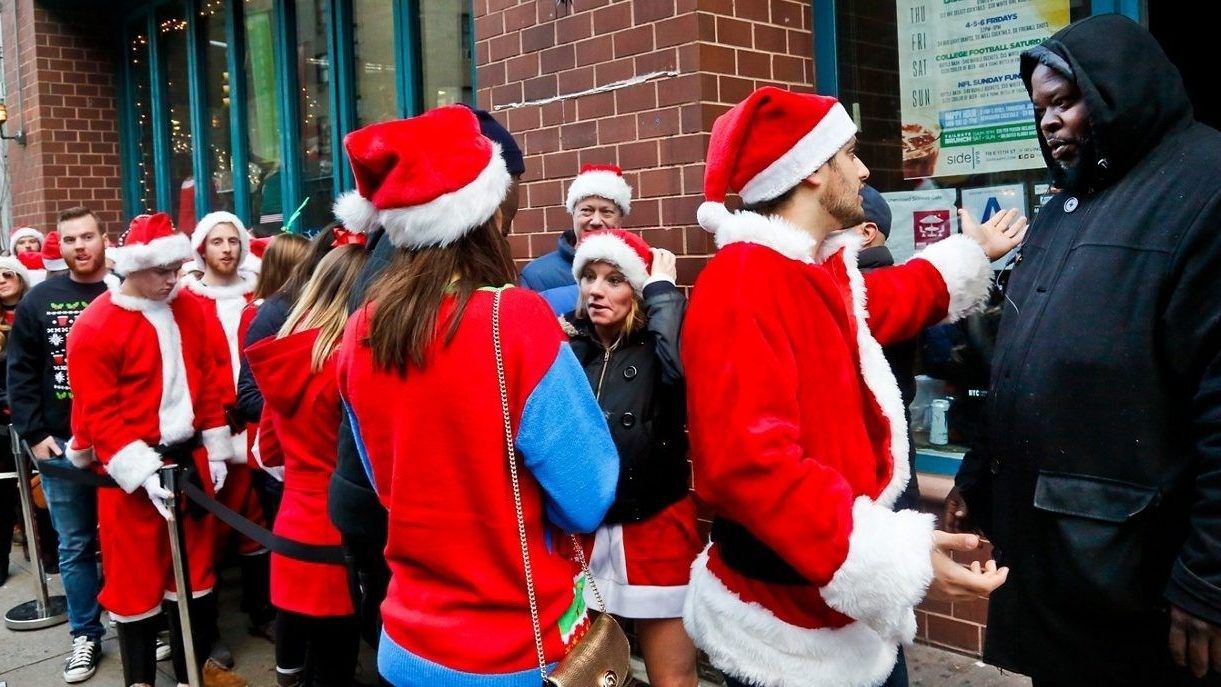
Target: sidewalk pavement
column 35, row 659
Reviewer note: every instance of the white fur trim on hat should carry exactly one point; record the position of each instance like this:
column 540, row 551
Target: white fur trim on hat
column 887, row 571
column 24, row 232
column 208, row 223
column 54, row 264
column 612, row 249
column 750, row 643
column 8, row 262
column 964, row 267
column 356, row 212
column 450, row 216
column 803, row 159
column 602, row 184
column 156, row 253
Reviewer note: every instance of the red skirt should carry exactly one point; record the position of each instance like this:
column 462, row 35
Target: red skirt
column 642, row 568
column 312, row 589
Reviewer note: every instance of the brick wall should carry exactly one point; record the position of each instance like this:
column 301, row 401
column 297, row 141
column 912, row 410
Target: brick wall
column 66, row 102
column 633, row 82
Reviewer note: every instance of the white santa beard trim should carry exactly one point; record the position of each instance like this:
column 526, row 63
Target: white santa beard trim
column 176, row 414
column 803, row 159
column 608, row 565
column 218, row 443
column 156, row 253
column 747, row 641
column 875, row 369
column 208, row 222
column 230, row 301
column 599, row 184
column 769, row 231
column 133, row 464
column 610, row 249
column 450, row 216
column 887, row 571
column 967, row 273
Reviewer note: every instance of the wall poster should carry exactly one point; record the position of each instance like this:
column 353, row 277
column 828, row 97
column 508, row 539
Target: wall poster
column 920, row 218
column 964, row 107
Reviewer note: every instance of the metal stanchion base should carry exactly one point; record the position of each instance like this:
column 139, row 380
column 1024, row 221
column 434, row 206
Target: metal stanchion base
column 32, row 615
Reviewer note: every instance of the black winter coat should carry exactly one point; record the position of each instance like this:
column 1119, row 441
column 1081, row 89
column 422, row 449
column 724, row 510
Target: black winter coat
column 1099, row 480
column 639, row 384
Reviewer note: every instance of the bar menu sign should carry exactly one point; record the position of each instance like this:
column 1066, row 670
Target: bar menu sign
column 965, row 109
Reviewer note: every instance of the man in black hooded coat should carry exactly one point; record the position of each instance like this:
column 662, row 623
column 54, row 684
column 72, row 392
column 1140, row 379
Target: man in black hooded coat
column 1099, row 477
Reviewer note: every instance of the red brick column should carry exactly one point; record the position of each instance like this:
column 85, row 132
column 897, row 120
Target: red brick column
column 65, row 99
column 633, row 82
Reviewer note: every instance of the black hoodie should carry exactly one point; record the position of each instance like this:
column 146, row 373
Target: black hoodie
column 1099, row 477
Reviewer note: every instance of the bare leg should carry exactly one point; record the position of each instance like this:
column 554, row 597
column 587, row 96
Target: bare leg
column 669, row 654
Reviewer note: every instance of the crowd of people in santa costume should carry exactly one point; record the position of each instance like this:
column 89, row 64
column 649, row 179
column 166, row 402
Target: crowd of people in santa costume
column 386, row 387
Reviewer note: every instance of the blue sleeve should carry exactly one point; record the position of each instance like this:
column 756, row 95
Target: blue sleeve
column 567, row 446
column 562, row 299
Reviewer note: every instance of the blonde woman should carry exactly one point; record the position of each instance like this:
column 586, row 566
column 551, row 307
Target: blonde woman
column 317, row 635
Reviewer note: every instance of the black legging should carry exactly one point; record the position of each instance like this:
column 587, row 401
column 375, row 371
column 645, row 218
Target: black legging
column 324, row 649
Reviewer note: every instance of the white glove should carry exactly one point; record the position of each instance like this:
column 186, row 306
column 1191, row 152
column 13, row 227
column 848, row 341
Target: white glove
column 219, row 471
column 158, row 494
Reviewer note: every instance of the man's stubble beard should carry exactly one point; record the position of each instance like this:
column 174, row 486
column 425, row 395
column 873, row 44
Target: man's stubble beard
column 840, row 204
column 98, row 264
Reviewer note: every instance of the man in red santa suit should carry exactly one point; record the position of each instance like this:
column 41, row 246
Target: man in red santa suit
column 222, row 244
column 798, row 437
column 142, row 375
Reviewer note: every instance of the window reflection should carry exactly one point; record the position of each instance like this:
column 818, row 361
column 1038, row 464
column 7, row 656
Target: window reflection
column 373, row 34
column 314, row 75
column 262, row 117
column 172, row 48
column 142, row 112
column 216, row 85
column 445, row 27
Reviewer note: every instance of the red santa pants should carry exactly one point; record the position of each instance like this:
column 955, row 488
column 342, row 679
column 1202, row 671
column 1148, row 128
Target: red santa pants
column 136, row 560
column 238, row 494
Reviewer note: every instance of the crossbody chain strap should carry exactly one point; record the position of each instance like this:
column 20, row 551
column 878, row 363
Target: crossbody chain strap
column 521, row 518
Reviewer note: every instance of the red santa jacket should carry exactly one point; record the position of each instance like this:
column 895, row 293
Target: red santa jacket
column 799, row 443
column 143, row 373
column 223, row 306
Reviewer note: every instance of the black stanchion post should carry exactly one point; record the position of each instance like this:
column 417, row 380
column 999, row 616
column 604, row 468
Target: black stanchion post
column 170, row 476
column 44, row 610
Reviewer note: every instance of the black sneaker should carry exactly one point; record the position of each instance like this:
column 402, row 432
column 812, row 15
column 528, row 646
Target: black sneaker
column 83, row 662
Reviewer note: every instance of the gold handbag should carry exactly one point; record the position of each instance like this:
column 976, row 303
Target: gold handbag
column 601, row 658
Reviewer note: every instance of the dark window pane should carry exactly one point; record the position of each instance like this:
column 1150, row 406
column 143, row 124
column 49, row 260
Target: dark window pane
column 263, row 117
column 172, row 47
column 142, row 114
column 212, row 17
column 314, row 75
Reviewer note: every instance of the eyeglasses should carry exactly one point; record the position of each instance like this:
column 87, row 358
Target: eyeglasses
column 8, row 274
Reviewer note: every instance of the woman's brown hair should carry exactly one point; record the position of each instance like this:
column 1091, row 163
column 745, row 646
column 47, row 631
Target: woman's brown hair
column 324, row 301
column 410, row 291
column 285, row 252
column 319, row 246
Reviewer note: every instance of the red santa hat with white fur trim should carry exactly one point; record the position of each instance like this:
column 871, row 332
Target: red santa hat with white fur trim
column 602, row 181
column 766, row 144
column 620, row 248
column 427, row 180
column 207, row 223
column 150, row 241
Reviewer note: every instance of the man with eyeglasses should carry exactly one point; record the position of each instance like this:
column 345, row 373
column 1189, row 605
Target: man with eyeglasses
column 41, row 403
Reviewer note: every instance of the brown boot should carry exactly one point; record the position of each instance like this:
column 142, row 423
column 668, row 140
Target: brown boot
column 215, row 675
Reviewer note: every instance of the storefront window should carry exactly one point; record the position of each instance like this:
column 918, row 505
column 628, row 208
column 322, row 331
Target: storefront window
column 216, row 86
column 373, row 33
column 445, row 27
column 142, row 113
column 264, row 167
column 314, row 75
column 172, row 47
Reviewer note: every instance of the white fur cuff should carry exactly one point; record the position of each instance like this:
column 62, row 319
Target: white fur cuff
column 888, row 569
column 133, row 464
column 747, row 641
column 218, row 442
column 967, row 273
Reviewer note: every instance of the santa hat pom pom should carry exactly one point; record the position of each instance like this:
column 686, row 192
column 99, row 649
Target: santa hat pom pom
column 356, row 212
column 712, row 215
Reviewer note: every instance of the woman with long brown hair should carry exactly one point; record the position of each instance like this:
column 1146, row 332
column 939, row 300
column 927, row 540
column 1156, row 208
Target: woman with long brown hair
column 418, row 371
column 316, row 627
